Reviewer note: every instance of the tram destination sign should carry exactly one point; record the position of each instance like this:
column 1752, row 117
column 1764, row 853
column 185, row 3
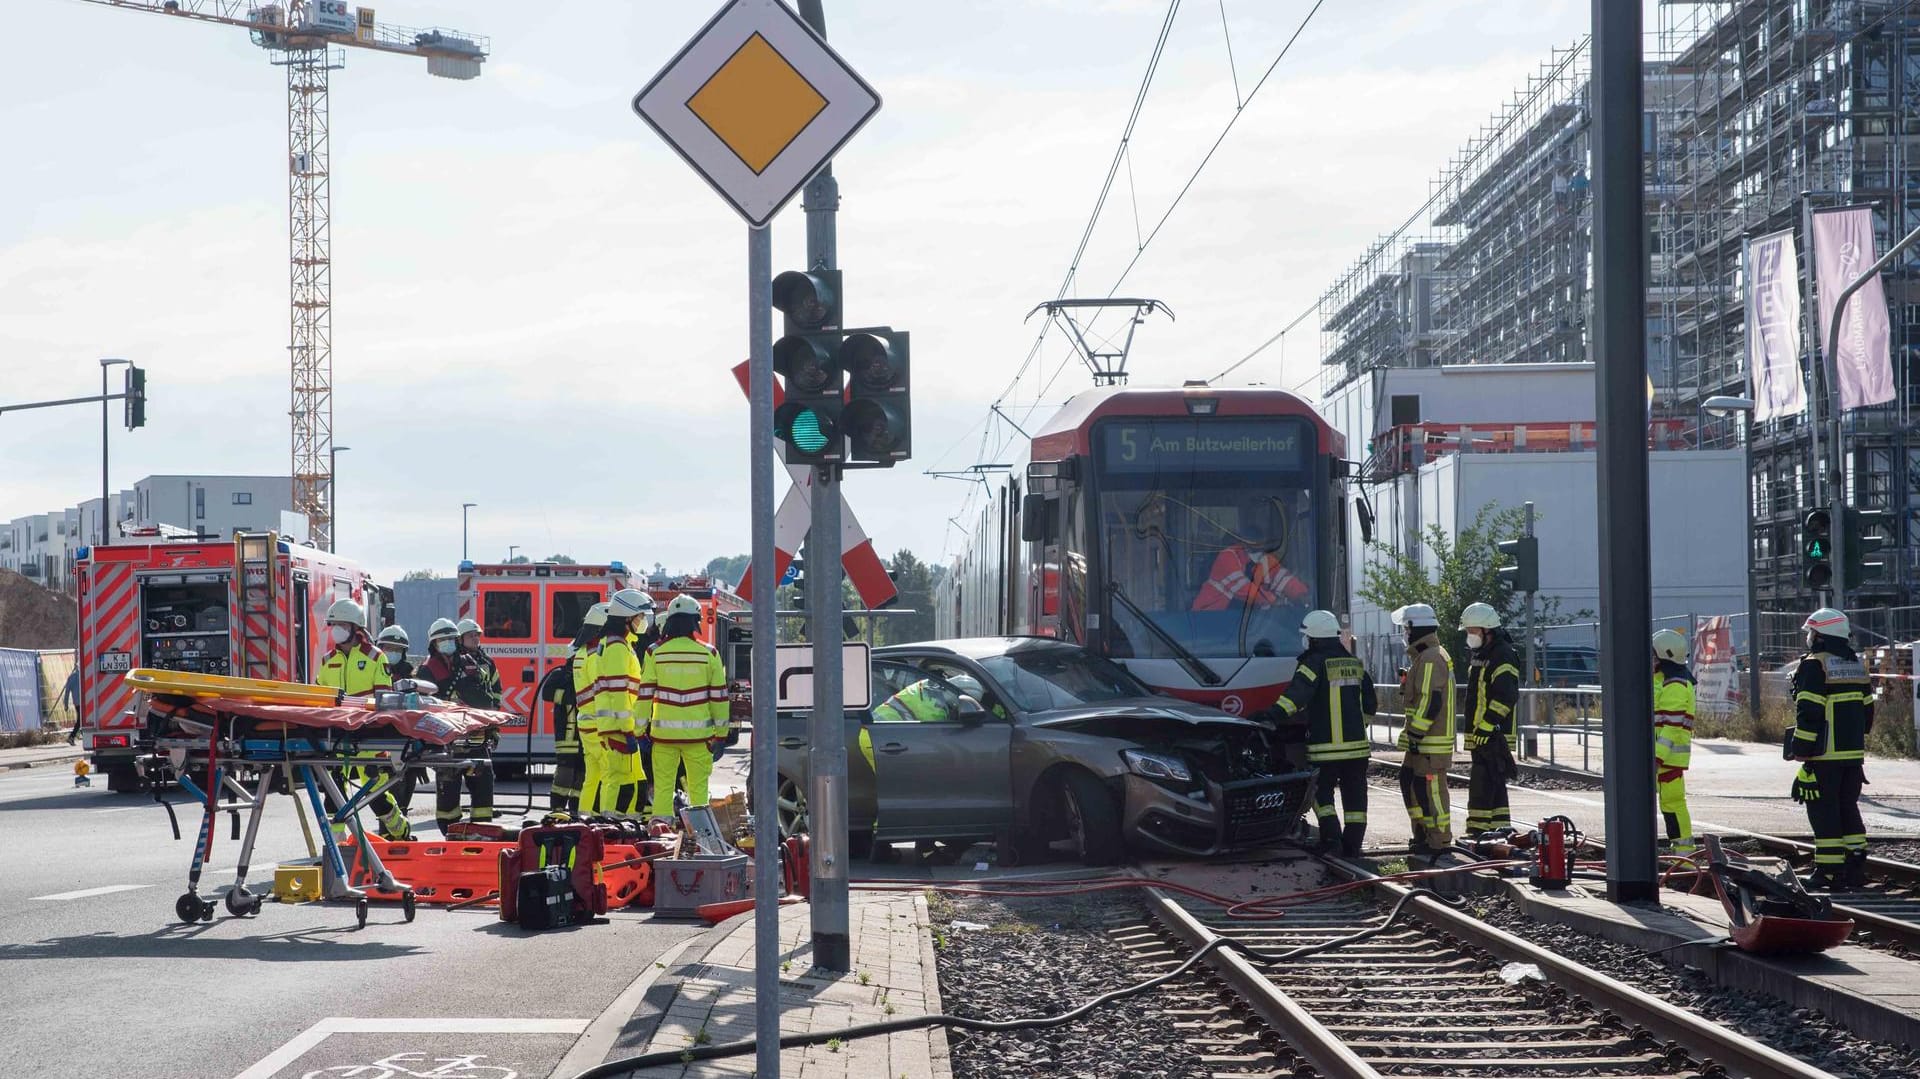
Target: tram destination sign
column 1264, row 445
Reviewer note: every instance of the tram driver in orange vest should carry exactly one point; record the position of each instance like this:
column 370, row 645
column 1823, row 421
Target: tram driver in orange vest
column 1248, row 570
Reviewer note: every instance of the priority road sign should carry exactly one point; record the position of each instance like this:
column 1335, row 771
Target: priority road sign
column 757, row 103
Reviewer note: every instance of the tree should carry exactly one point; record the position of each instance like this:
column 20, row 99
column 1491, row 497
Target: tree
column 421, row 575
column 729, row 569
column 1465, row 570
column 914, row 580
column 560, row 559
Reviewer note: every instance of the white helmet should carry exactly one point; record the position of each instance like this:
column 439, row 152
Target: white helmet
column 442, row 627
column 628, row 603
column 1416, row 614
column 395, row 635
column 346, row 612
column 1670, row 645
column 1829, row 623
column 596, row 615
column 683, row 604
column 1479, row 616
column 1320, row 625
column 468, row 625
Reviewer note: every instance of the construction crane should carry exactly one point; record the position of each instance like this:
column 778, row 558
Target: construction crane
column 303, row 35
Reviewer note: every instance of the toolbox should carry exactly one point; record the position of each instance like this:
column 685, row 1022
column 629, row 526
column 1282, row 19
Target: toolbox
column 682, row 885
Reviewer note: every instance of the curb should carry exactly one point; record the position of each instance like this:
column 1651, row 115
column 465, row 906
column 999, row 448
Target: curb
column 657, row 987
column 42, row 762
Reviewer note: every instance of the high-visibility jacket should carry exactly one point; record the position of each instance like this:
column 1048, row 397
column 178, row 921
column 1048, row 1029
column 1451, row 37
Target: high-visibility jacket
column 1672, row 714
column 1833, row 705
column 617, row 705
column 918, row 703
column 582, row 667
column 563, row 700
column 683, row 692
column 353, row 669
column 1254, row 578
column 1427, row 697
column 1336, row 693
column 1493, row 688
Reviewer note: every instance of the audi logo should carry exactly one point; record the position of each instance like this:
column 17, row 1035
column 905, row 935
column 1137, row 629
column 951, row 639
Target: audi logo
column 1269, row 801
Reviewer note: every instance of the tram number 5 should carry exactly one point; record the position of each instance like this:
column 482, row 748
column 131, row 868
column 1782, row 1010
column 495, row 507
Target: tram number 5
column 1129, row 446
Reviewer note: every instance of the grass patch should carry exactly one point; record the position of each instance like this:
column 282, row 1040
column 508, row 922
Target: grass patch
column 42, row 737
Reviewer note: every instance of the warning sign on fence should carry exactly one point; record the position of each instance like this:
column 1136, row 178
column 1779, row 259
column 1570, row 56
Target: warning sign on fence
column 1713, row 673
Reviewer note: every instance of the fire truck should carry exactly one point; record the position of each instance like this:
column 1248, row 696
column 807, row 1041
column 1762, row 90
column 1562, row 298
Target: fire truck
column 254, row 606
column 529, row 613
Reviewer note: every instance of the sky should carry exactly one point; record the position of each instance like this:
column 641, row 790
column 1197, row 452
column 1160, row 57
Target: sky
column 537, row 305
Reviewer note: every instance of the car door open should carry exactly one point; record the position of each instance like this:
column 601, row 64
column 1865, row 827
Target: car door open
column 944, row 774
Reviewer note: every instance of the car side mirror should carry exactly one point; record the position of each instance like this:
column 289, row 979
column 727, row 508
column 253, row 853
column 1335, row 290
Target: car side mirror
column 972, row 712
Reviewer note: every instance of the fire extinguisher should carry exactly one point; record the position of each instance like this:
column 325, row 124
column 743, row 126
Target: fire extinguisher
column 795, row 877
column 1554, row 853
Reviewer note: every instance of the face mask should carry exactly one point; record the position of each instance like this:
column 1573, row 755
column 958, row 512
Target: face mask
column 1475, row 640
column 446, row 648
column 395, row 658
column 339, row 634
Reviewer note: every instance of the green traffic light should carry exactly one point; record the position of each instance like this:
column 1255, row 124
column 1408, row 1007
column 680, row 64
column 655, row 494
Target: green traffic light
column 806, row 431
column 1816, row 549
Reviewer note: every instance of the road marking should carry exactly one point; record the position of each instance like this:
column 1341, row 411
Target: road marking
column 89, row 893
column 599, row 1038
column 304, row 1042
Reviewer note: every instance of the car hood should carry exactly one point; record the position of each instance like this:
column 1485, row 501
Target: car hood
column 1140, row 708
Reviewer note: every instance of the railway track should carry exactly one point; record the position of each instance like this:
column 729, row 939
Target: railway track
column 1425, row 997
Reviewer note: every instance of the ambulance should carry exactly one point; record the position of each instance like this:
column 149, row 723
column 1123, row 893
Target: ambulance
column 528, row 614
column 254, row 606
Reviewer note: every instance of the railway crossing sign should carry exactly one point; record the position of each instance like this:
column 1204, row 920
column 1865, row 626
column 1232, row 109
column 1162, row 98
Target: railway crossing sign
column 757, row 103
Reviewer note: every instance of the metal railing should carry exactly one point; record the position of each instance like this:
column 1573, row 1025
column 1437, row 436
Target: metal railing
column 1549, row 720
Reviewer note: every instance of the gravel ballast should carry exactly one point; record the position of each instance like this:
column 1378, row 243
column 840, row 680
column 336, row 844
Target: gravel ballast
column 1800, row 1033
column 1043, row 957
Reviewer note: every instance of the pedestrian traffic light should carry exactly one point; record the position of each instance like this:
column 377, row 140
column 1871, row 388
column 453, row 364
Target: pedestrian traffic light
column 1816, row 538
column 136, row 400
column 1867, row 531
column 879, row 415
column 807, row 357
column 1522, row 574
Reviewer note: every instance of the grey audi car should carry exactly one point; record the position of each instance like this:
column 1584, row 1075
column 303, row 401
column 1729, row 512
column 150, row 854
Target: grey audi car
column 1044, row 747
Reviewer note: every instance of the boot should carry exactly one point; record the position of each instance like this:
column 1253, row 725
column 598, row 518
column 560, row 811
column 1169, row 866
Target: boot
column 1329, row 836
column 1855, row 876
column 1823, row 878
column 1352, row 840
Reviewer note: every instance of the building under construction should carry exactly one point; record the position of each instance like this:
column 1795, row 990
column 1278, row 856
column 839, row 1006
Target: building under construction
column 1748, row 106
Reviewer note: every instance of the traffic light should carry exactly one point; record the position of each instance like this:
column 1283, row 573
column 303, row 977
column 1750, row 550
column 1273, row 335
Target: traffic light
column 1523, row 572
column 807, row 356
column 879, row 415
column 1867, row 531
column 136, row 400
column 1816, row 537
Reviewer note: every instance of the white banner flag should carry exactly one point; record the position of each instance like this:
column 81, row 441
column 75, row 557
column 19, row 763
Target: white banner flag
column 1773, row 327
column 1713, row 674
column 1842, row 250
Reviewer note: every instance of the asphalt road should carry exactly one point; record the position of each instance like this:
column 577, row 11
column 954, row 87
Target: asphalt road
column 99, row 979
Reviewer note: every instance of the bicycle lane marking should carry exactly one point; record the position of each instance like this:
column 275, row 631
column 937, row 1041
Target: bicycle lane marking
column 309, row 1039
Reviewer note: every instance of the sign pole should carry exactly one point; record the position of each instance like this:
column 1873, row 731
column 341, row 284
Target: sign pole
column 766, row 815
column 827, row 733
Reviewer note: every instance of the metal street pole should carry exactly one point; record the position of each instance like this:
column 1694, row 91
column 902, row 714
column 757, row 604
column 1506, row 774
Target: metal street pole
column 511, row 548
column 827, row 733
column 104, row 364
column 333, row 505
column 766, row 816
column 1620, row 359
column 464, row 507
column 1836, row 451
column 1531, row 593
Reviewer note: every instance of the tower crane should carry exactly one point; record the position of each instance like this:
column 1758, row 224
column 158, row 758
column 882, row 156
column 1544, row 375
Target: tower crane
column 307, row 37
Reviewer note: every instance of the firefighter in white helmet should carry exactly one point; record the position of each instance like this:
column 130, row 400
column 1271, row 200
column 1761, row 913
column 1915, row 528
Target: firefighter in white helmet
column 353, row 666
column 1493, row 694
column 1673, row 711
column 684, row 701
column 1426, row 696
column 559, row 690
column 393, row 643
column 616, row 771
column 1833, row 711
column 1336, row 694
column 460, row 677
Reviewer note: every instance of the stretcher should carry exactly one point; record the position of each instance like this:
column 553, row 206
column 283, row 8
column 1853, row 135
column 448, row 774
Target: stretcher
column 232, row 743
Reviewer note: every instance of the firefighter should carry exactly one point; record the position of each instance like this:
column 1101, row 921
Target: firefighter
column 352, row 667
column 393, row 644
column 617, row 742
column 1336, row 693
column 1673, row 734
column 461, row 678
column 1493, row 692
column 1426, row 696
column 684, row 702
column 470, row 645
column 558, row 690
column 649, row 627
column 1833, row 711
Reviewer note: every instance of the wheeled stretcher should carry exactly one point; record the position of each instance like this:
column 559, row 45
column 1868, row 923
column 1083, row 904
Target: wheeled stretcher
column 232, row 743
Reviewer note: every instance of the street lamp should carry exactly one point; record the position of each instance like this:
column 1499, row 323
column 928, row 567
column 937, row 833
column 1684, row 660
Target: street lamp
column 333, row 504
column 464, row 507
column 511, row 547
column 104, row 364
column 1721, row 405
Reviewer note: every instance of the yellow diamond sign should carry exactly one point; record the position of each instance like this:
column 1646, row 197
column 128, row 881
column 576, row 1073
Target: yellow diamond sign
column 757, row 104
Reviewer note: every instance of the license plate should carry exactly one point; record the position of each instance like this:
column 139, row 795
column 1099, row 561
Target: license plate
column 115, row 661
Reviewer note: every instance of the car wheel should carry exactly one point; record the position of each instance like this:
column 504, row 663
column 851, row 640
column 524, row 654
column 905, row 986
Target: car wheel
column 791, row 799
column 1092, row 820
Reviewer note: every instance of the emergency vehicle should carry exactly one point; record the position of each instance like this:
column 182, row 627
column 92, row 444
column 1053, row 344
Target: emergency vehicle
column 529, row 613
column 254, row 606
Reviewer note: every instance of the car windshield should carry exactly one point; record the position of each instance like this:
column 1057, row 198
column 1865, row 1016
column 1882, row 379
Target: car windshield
column 1207, row 535
column 1042, row 679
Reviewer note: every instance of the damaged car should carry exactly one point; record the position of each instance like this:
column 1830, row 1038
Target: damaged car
column 1048, row 749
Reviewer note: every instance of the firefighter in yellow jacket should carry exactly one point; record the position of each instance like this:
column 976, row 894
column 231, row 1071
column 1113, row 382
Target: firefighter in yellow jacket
column 355, row 667
column 1673, row 712
column 619, row 712
column 1426, row 696
column 561, row 690
column 683, row 694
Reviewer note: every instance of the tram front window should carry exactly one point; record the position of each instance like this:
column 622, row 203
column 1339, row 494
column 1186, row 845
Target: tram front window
column 1207, row 536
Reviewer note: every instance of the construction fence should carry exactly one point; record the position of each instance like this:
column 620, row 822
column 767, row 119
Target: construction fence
column 33, row 689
